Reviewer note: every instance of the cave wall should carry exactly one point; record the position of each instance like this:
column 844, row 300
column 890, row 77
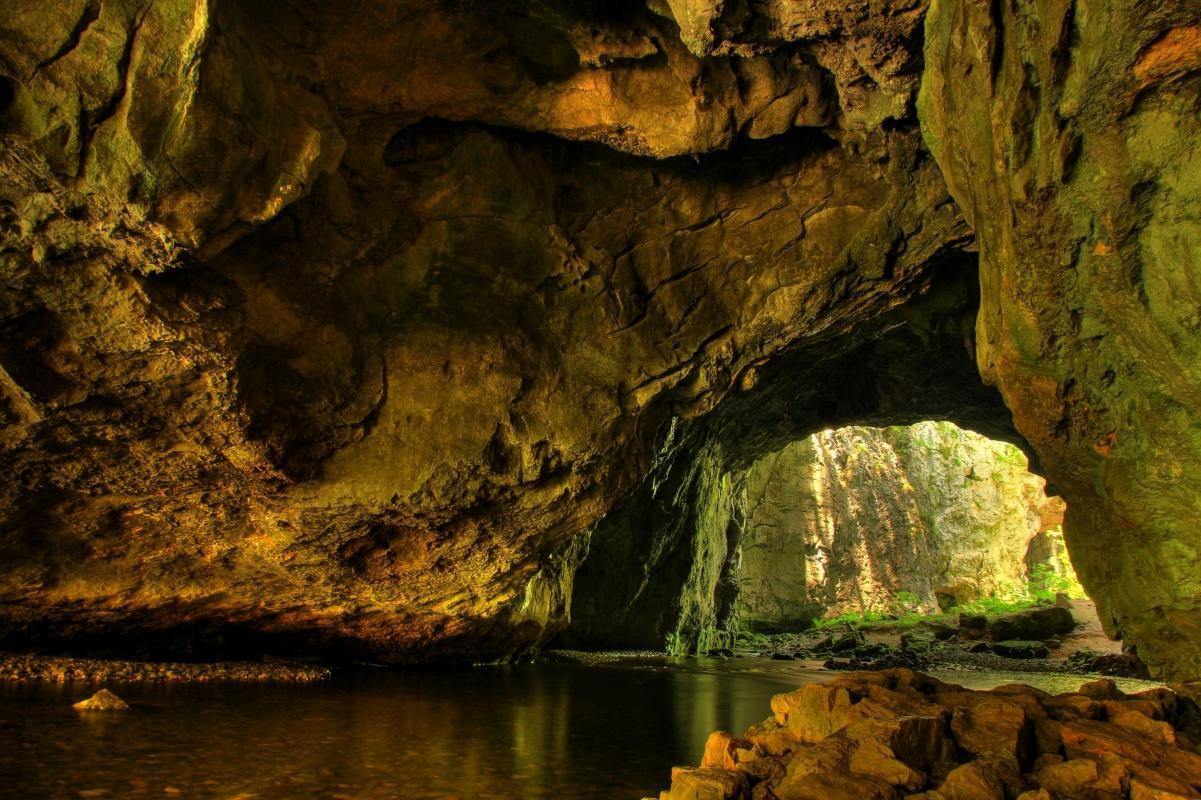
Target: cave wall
column 664, row 566
column 1067, row 132
column 317, row 343
column 331, row 327
column 847, row 520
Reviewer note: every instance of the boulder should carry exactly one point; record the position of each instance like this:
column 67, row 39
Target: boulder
column 973, row 621
column 983, row 779
column 813, row 712
column 833, row 786
column 1033, row 624
column 1020, row 649
column 997, row 727
column 876, row 735
column 724, row 751
column 706, row 784
column 103, row 700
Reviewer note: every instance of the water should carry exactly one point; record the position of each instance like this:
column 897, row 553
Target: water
column 548, row 730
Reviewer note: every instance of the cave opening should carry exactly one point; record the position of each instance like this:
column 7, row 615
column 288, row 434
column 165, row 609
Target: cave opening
column 887, row 523
column 851, row 526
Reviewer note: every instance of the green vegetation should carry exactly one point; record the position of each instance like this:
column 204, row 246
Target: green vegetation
column 1044, row 584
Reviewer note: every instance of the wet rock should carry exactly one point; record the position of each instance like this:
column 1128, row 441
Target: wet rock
column 813, row 712
column 706, row 784
column 881, row 734
column 723, row 750
column 1120, row 665
column 1035, row 624
column 1020, row 649
column 973, row 621
column 103, row 700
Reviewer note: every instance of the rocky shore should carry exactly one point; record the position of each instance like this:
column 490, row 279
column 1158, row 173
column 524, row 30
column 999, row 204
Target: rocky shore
column 899, row 733
column 14, row 667
column 1063, row 638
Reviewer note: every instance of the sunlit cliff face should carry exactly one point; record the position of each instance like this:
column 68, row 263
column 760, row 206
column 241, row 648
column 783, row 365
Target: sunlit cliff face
column 337, row 327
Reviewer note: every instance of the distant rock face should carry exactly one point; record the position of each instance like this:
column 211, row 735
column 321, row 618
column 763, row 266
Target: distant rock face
column 845, row 520
column 339, row 326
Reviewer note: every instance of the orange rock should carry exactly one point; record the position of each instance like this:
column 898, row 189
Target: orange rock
column 1097, row 739
column 977, row 780
column 775, row 743
column 706, row 784
column 1072, row 706
column 1138, row 721
column 1102, row 689
column 831, row 756
column 813, row 712
column 721, row 750
column 1085, row 777
column 995, row 726
column 833, row 786
column 875, row 757
column 1047, row 738
column 1141, row 790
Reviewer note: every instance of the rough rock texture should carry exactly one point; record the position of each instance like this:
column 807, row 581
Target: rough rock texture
column 899, row 733
column 335, row 326
column 103, row 700
column 665, row 565
column 1068, row 132
column 378, row 422
column 846, row 519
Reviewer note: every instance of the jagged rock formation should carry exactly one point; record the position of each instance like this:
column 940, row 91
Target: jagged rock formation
column 847, row 520
column 1068, row 136
column 897, row 733
column 337, row 325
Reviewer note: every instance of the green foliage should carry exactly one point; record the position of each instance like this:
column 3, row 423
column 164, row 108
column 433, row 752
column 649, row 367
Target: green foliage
column 903, row 603
column 1046, row 582
column 871, row 619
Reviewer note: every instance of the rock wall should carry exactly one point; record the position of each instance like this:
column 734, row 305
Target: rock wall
column 845, row 520
column 1067, row 132
column 316, row 340
column 664, row 566
column 330, row 327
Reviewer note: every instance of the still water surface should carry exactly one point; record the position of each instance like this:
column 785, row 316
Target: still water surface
column 532, row 731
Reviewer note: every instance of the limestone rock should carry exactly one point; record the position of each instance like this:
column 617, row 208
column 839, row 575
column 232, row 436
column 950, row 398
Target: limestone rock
column 1017, row 648
column 103, row 700
column 706, row 784
column 895, row 741
column 1034, row 624
column 316, row 338
column 1062, row 133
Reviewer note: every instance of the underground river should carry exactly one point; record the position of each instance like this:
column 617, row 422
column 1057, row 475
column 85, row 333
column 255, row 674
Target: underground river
column 552, row 729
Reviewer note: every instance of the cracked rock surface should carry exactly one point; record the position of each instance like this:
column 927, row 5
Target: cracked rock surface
column 337, row 327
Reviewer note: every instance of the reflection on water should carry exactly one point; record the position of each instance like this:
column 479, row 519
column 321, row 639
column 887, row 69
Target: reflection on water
column 550, row 730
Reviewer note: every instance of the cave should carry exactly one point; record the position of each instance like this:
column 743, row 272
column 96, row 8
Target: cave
column 851, row 521
column 383, row 355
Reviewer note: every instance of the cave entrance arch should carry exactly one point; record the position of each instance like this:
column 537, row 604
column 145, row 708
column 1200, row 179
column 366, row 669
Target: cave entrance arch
column 663, row 568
